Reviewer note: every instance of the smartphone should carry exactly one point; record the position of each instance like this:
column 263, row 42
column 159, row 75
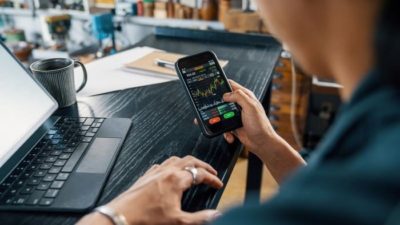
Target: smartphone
column 205, row 83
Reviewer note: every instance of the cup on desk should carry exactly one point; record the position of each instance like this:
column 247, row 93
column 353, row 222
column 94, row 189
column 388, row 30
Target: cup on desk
column 57, row 76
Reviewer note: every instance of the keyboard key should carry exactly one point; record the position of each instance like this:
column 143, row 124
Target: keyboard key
column 61, row 146
column 69, row 135
column 26, row 174
column 39, row 160
column 69, row 150
column 51, row 132
column 45, row 166
column 35, row 150
column 57, row 136
column 48, row 148
column 12, row 192
column 56, row 152
column 49, row 136
column 75, row 139
column 44, row 153
column 41, row 143
column 43, row 186
column 82, row 120
column 31, row 156
column 57, row 184
column 39, row 173
column 51, row 159
column 20, row 168
column 94, row 130
column 72, row 144
column 96, row 125
column 34, row 181
column 19, row 183
column 63, row 130
column 55, row 141
column 69, row 166
column 49, row 177
column 54, row 170
column 34, row 198
column 64, row 156
column 76, row 125
column 33, row 166
column 46, row 202
column 85, row 128
column 90, row 134
column 60, row 162
column 8, row 201
column 62, row 176
column 51, row 193
column 20, row 200
column 88, row 121
column 87, row 139
column 101, row 120
column 26, row 190
column 14, row 175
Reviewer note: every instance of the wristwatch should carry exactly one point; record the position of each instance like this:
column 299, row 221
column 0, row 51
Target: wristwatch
column 116, row 218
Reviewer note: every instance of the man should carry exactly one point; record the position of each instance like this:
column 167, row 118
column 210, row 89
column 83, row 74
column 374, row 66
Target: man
column 352, row 178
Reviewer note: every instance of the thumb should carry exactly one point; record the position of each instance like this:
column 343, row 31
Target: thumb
column 200, row 217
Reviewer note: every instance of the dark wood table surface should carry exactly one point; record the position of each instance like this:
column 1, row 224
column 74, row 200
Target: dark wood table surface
column 162, row 121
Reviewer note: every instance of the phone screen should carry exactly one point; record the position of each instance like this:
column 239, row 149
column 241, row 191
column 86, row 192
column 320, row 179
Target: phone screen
column 207, row 84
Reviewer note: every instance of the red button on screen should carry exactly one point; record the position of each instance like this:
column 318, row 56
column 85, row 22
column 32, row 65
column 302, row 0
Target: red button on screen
column 214, row 120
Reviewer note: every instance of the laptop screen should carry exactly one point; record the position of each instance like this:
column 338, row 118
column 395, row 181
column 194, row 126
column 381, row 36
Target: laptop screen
column 24, row 105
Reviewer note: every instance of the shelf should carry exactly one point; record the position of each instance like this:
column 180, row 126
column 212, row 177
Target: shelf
column 180, row 23
column 139, row 20
column 27, row 12
column 81, row 15
column 16, row 12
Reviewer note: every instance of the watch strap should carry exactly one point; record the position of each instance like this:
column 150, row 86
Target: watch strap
column 116, row 218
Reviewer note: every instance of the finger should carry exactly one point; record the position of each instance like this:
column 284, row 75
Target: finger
column 229, row 137
column 202, row 177
column 200, row 217
column 239, row 97
column 237, row 86
column 170, row 160
column 192, row 161
column 152, row 169
column 195, row 122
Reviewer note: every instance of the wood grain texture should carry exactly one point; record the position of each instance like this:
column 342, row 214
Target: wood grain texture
column 162, row 125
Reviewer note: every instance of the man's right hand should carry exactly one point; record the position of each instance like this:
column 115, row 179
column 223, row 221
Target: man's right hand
column 258, row 135
column 257, row 131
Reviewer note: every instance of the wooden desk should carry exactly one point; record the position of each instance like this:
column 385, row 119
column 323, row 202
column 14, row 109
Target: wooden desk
column 163, row 119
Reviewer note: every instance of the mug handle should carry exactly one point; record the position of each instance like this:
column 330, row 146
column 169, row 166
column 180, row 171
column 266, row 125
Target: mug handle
column 84, row 75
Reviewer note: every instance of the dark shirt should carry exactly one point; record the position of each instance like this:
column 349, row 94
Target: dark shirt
column 352, row 178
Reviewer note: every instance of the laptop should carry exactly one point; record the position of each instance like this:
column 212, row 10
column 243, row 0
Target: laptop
column 50, row 163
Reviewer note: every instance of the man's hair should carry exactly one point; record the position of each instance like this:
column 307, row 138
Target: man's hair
column 388, row 42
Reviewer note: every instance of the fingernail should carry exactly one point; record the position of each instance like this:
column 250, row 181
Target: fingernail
column 213, row 216
column 227, row 95
column 217, row 215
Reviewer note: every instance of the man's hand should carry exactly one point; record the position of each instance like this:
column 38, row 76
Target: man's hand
column 257, row 131
column 155, row 199
column 259, row 137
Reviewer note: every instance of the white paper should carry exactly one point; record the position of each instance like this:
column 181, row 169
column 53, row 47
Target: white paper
column 108, row 74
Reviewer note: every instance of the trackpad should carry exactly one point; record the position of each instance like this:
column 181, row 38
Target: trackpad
column 99, row 155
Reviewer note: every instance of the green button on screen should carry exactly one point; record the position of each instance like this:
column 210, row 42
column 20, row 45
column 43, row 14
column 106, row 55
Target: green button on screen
column 229, row 115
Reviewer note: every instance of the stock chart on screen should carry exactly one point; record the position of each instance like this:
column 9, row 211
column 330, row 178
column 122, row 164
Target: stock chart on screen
column 207, row 86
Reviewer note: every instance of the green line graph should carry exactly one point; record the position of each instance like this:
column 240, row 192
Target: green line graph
column 210, row 90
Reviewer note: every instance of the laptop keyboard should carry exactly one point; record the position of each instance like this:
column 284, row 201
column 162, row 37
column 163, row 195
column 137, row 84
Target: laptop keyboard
column 39, row 177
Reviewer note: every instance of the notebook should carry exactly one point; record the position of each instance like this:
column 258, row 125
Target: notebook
column 146, row 65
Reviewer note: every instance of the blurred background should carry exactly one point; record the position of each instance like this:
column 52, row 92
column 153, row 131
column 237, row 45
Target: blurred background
column 37, row 29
